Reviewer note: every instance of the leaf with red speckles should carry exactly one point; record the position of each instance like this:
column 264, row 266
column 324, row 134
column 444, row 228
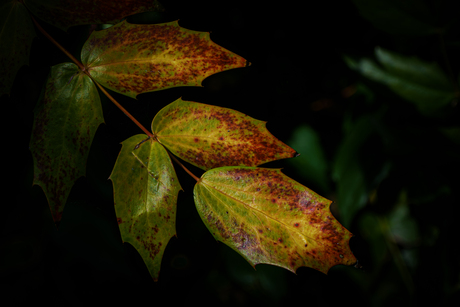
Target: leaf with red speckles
column 66, row 13
column 66, row 119
column 132, row 59
column 145, row 193
column 209, row 136
column 269, row 218
column 16, row 36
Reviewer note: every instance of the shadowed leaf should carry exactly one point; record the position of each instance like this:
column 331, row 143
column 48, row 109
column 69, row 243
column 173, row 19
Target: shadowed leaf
column 66, row 120
column 66, row 13
column 208, row 136
column 269, row 218
column 312, row 165
column 16, row 36
column 348, row 173
column 409, row 17
column 422, row 83
column 145, row 193
column 133, row 59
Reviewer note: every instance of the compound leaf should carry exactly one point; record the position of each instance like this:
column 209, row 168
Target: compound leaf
column 66, row 120
column 132, row 59
column 269, row 218
column 209, row 136
column 16, row 36
column 145, row 194
column 66, row 13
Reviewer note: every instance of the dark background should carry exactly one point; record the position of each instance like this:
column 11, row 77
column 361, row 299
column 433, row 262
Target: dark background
column 297, row 78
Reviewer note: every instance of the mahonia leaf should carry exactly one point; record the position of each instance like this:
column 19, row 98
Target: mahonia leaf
column 64, row 126
column 145, row 193
column 209, row 136
column 132, row 59
column 16, row 36
column 66, row 13
column 269, row 218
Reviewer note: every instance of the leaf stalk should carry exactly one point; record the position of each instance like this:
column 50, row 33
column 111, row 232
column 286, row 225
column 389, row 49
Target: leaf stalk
column 124, row 110
column 83, row 69
column 77, row 62
column 185, row 169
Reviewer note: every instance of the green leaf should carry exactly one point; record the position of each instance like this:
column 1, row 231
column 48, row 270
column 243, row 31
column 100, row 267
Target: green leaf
column 312, row 164
column 145, row 194
column 452, row 133
column 424, row 84
column 66, row 13
column 66, row 120
column 269, row 218
column 409, row 17
column 16, row 36
column 403, row 226
column 132, row 59
column 352, row 186
column 208, row 136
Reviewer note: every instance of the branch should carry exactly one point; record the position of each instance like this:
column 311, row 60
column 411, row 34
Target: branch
column 178, row 162
column 124, row 110
column 82, row 68
column 77, row 62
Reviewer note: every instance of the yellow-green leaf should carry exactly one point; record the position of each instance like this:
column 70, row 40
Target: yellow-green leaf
column 16, row 36
column 67, row 13
column 145, row 194
column 209, row 136
column 269, row 218
column 66, row 120
column 132, row 59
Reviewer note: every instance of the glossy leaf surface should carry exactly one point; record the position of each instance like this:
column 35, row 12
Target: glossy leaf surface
column 269, row 218
column 132, row 59
column 66, row 13
column 16, row 36
column 422, row 83
column 145, row 193
column 66, row 120
column 209, row 136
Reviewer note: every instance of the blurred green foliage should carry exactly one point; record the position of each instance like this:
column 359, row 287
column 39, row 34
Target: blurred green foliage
column 395, row 168
column 366, row 91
